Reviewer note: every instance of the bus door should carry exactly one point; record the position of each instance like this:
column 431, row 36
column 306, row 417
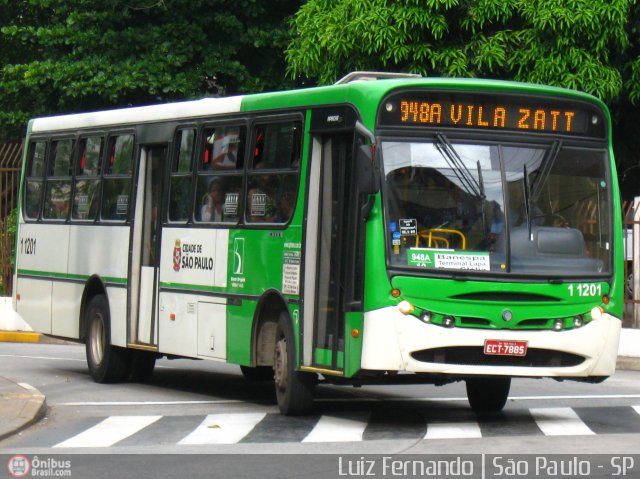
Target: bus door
column 330, row 252
column 145, row 259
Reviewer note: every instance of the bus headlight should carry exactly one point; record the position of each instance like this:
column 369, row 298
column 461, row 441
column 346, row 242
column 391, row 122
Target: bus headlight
column 577, row 321
column 405, row 307
column 426, row 316
column 597, row 312
column 558, row 324
column 448, row 322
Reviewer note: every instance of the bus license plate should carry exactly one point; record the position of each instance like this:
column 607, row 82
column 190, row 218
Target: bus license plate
column 499, row 347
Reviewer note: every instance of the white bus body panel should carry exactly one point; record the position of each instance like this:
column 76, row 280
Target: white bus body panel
column 99, row 250
column 65, row 309
column 34, row 305
column 137, row 115
column 194, row 257
column 118, row 310
column 145, row 316
column 43, row 251
column 51, row 305
column 212, row 328
column 193, row 325
column 390, row 337
column 50, row 254
column 178, row 324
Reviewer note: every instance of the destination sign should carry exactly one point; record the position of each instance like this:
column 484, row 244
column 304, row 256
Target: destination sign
column 492, row 112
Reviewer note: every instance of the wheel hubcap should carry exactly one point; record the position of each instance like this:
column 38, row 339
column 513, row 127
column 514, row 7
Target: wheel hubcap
column 97, row 339
column 280, row 367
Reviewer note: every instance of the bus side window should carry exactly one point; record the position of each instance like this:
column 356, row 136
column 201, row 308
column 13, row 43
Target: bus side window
column 85, row 200
column 223, row 148
column 117, row 178
column 58, row 184
column 34, row 179
column 181, row 190
column 273, row 177
column 220, row 175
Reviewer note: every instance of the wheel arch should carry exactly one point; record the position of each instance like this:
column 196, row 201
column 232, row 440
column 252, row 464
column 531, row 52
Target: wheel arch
column 265, row 322
column 93, row 287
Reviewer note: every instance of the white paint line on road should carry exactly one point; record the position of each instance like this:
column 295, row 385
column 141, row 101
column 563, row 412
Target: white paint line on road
column 559, row 421
column 27, row 386
column 109, row 431
column 48, row 358
column 223, row 428
column 338, row 400
column 451, row 430
column 339, row 429
column 52, row 358
column 148, row 403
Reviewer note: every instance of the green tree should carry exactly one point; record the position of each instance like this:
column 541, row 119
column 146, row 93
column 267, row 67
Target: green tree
column 573, row 43
column 588, row 45
column 76, row 55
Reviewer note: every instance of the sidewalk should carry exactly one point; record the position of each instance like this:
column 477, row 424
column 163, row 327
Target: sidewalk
column 20, row 406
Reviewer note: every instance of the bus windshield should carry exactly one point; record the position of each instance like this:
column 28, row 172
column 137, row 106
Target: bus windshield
column 497, row 207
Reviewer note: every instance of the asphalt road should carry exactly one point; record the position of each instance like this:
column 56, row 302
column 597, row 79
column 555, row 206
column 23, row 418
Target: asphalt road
column 208, row 411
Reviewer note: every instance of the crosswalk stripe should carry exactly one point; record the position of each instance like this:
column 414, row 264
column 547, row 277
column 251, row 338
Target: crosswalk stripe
column 343, row 426
column 450, row 430
column 559, row 421
column 339, row 428
column 223, row 428
column 109, row 431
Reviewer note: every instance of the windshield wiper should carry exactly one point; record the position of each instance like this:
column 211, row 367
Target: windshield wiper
column 459, row 168
column 527, row 197
column 547, row 166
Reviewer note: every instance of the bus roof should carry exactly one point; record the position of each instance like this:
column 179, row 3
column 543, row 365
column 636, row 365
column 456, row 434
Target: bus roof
column 365, row 93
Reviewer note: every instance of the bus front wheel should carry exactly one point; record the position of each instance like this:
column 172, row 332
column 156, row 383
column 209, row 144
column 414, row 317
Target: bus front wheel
column 488, row 394
column 294, row 389
column 107, row 363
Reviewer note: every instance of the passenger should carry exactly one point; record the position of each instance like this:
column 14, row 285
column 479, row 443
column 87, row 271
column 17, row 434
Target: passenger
column 212, row 203
column 227, row 160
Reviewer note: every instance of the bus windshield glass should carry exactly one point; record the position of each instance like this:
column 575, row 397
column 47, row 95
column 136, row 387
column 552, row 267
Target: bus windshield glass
column 498, row 208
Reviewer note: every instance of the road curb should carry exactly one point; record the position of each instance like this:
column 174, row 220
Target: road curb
column 20, row 337
column 628, row 363
column 21, row 405
column 30, row 337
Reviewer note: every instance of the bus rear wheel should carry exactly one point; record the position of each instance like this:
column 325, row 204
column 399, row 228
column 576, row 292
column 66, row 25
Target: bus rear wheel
column 488, row 394
column 294, row 389
column 107, row 363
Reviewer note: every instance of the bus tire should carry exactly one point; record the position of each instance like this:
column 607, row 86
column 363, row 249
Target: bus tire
column 488, row 394
column 294, row 389
column 107, row 363
column 141, row 366
column 257, row 374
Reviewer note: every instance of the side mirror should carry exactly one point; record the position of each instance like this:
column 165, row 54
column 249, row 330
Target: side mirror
column 367, row 175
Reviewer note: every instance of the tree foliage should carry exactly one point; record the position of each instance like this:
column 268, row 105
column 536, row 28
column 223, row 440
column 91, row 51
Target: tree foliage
column 76, row 55
column 588, row 45
column 572, row 43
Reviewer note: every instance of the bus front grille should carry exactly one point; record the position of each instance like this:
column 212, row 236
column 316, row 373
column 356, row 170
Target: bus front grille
column 474, row 356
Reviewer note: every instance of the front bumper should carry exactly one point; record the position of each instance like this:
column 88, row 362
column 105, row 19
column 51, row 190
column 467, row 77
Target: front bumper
column 391, row 338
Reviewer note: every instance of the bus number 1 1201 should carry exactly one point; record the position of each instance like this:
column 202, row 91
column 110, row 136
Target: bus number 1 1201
column 27, row 246
column 585, row 289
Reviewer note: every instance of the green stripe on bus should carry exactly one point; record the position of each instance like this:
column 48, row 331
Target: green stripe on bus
column 192, row 287
column 76, row 277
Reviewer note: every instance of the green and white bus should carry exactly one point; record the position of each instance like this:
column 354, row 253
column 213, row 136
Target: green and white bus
column 403, row 229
